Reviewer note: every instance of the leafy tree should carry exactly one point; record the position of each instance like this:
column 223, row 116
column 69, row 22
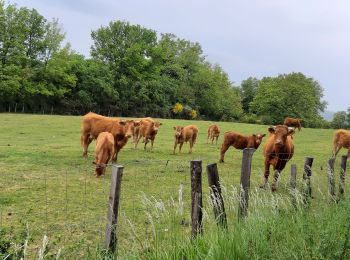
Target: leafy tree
column 339, row 120
column 292, row 95
column 248, row 89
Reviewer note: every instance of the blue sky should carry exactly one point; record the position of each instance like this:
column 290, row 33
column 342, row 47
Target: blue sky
column 247, row 38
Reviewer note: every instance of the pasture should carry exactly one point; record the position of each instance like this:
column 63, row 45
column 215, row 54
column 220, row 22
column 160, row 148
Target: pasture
column 45, row 183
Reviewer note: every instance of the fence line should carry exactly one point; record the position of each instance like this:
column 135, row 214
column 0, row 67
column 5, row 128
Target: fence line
column 88, row 218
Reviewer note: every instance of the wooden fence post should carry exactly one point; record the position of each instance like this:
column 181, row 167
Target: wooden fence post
column 245, row 181
column 331, row 181
column 215, row 195
column 196, row 196
column 306, row 179
column 293, row 182
column 344, row 158
column 113, row 207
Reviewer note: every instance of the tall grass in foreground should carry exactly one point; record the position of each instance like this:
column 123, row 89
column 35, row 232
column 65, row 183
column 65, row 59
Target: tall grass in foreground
column 274, row 229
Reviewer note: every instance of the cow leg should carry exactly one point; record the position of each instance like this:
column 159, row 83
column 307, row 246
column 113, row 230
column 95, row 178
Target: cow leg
column 266, row 174
column 180, row 147
column 146, row 142
column 115, row 155
column 336, row 150
column 208, row 138
column 223, row 150
column 275, row 180
column 175, row 146
column 216, row 140
column 137, row 140
column 152, row 141
column 191, row 145
column 86, row 140
column 212, row 139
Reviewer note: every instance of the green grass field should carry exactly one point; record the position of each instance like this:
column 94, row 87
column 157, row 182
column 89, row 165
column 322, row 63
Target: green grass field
column 46, row 184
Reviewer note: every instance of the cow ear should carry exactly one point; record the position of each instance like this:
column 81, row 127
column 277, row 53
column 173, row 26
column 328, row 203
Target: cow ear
column 160, row 123
column 263, row 135
column 291, row 130
column 254, row 135
column 94, row 162
column 122, row 122
column 271, row 129
column 174, row 127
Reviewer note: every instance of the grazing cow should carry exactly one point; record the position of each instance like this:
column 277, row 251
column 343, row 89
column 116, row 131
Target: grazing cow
column 341, row 140
column 292, row 122
column 148, row 130
column 104, row 152
column 278, row 150
column 185, row 134
column 239, row 141
column 93, row 124
column 213, row 132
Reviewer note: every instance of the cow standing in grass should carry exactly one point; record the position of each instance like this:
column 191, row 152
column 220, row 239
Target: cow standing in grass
column 94, row 124
column 213, row 133
column 148, row 129
column 185, row 134
column 239, row 141
column 278, row 150
column 292, row 122
column 104, row 152
column 341, row 139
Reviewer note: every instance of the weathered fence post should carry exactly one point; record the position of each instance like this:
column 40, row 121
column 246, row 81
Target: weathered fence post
column 344, row 158
column 196, row 196
column 245, row 181
column 215, row 195
column 293, row 183
column 306, row 179
column 331, row 181
column 113, row 206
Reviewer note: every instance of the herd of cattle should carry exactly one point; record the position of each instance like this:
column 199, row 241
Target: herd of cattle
column 112, row 135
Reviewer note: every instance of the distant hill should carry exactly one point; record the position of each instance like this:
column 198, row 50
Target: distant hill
column 328, row 115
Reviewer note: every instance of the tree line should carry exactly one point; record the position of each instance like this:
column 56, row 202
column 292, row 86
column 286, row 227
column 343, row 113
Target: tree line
column 133, row 71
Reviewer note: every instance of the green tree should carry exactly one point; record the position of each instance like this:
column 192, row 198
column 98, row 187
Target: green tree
column 293, row 95
column 339, row 120
column 249, row 87
column 127, row 49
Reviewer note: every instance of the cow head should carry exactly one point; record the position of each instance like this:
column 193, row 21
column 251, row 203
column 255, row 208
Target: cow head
column 156, row 126
column 100, row 168
column 280, row 133
column 258, row 139
column 129, row 127
column 178, row 131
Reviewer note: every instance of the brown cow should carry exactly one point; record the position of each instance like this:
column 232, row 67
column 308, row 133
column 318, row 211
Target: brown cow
column 292, row 122
column 93, row 124
column 148, row 130
column 278, row 150
column 341, row 140
column 103, row 152
column 213, row 132
column 239, row 141
column 185, row 134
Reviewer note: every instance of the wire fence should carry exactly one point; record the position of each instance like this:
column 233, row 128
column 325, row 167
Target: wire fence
column 70, row 206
